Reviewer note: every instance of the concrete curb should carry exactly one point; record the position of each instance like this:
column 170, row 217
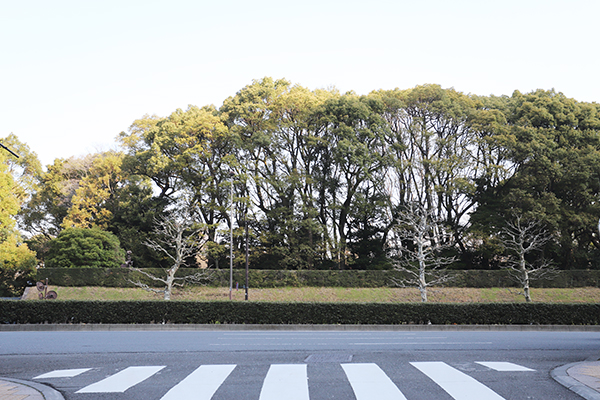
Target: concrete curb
column 561, row 376
column 252, row 327
column 46, row 392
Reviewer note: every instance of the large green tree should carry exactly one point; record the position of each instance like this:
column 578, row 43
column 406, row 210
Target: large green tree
column 553, row 144
column 320, row 178
column 17, row 262
column 354, row 161
column 278, row 159
column 189, row 153
column 441, row 147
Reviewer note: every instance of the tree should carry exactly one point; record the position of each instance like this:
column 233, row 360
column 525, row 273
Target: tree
column 83, row 247
column 25, row 169
column 419, row 249
column 522, row 238
column 9, row 202
column 355, row 158
column 190, row 151
column 45, row 212
column 17, row 262
column 278, row 161
column 552, row 144
column 435, row 147
column 95, row 197
column 17, row 266
column 180, row 239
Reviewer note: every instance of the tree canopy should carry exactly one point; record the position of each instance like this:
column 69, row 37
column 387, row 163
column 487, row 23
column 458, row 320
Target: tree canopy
column 321, row 178
column 17, row 262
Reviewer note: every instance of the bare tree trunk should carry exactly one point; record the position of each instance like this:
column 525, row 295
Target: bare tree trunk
column 525, row 279
column 422, row 268
column 169, row 286
column 179, row 239
column 521, row 238
column 423, row 288
column 422, row 263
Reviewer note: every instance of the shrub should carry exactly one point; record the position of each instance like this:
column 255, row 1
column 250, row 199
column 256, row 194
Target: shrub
column 80, row 247
column 117, row 277
column 187, row 312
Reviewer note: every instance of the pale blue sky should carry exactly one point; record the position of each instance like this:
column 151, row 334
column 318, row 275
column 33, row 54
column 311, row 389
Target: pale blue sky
column 73, row 74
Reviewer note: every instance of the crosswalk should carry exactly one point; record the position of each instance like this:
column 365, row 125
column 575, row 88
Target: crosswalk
column 368, row 381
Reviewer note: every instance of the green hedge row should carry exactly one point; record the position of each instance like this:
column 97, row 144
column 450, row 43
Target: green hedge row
column 283, row 278
column 176, row 312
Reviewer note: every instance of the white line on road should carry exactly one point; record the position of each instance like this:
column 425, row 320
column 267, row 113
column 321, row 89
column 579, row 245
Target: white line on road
column 200, row 384
column 369, row 382
column 122, row 380
column 288, row 344
column 285, row 381
column 503, row 366
column 457, row 384
column 63, row 373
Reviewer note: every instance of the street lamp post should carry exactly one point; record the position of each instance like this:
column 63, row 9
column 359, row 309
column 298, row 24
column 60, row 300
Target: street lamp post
column 246, row 223
column 231, row 174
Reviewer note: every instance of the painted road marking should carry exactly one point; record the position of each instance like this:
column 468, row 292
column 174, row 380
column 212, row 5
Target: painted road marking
column 457, row 384
column 287, row 380
column 503, row 366
column 121, row 381
column 369, row 382
column 63, row 373
column 200, row 384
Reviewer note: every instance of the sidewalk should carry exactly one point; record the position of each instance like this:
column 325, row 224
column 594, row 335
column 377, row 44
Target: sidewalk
column 582, row 378
column 15, row 389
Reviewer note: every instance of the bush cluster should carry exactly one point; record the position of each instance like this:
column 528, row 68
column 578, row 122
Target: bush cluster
column 118, row 277
column 184, row 312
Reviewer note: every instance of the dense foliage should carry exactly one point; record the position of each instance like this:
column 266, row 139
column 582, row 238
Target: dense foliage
column 185, row 312
column 17, row 262
column 320, row 178
column 82, row 247
column 122, row 277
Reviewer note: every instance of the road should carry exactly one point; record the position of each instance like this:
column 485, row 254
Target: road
column 269, row 365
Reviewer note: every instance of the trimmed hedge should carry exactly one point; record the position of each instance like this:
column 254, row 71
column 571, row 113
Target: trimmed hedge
column 117, row 277
column 184, row 312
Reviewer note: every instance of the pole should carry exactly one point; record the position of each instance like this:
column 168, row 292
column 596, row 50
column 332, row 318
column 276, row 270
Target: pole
column 246, row 223
column 231, row 240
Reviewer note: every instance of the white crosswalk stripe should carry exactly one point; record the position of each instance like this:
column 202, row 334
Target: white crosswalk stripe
column 290, row 380
column 369, row 382
column 200, row 384
column 63, row 373
column 457, row 384
column 122, row 380
column 503, row 366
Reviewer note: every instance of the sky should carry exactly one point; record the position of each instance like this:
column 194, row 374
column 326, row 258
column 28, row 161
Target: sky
column 74, row 74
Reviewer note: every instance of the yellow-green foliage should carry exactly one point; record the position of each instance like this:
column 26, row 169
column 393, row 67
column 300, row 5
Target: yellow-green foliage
column 17, row 262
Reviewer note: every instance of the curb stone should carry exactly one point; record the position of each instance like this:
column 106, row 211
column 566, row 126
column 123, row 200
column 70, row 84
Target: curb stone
column 562, row 376
column 291, row 327
column 33, row 390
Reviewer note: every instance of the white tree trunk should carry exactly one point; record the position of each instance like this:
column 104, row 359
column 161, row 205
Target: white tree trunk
column 525, row 278
column 422, row 267
column 170, row 280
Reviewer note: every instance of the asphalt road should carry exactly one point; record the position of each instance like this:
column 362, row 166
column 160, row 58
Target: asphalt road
column 268, row 365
